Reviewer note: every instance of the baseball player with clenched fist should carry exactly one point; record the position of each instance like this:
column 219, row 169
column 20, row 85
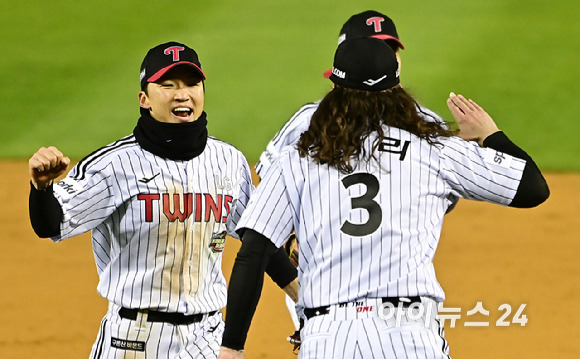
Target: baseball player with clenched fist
column 366, row 190
column 159, row 203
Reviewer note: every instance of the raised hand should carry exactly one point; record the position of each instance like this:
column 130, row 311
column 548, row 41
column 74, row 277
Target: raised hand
column 474, row 123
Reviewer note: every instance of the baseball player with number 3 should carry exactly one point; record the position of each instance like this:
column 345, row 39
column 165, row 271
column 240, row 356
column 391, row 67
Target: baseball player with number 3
column 366, row 192
column 159, row 203
column 368, row 23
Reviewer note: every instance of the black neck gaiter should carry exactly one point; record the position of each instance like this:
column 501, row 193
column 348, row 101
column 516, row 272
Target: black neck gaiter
column 174, row 141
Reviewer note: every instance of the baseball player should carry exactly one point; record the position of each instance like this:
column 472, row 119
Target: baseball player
column 369, row 23
column 159, row 203
column 366, row 191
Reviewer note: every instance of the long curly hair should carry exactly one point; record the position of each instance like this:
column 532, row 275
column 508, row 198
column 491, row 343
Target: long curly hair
column 346, row 117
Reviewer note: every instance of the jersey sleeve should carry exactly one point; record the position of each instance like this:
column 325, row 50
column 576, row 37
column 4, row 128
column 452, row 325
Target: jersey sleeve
column 288, row 135
column 430, row 116
column 269, row 211
column 481, row 174
column 244, row 189
column 86, row 199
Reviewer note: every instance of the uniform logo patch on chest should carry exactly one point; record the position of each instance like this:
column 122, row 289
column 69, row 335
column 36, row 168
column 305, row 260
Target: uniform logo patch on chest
column 218, row 241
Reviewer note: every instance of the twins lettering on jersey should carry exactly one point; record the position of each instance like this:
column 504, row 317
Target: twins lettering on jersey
column 177, row 206
column 181, row 206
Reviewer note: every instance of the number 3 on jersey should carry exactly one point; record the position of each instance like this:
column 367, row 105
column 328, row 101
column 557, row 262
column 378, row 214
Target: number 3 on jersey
column 367, row 202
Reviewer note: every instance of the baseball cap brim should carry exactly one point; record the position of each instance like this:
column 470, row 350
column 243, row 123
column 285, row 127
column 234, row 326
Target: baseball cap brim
column 156, row 76
column 327, row 73
column 388, row 37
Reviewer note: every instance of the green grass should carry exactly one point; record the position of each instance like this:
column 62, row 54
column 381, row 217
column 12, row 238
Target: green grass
column 69, row 70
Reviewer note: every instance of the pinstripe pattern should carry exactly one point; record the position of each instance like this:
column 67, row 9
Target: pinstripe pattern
column 396, row 258
column 158, row 228
column 327, row 336
column 373, row 233
column 149, row 252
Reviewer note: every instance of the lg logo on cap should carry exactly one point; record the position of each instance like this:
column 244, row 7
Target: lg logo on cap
column 376, row 21
column 174, row 50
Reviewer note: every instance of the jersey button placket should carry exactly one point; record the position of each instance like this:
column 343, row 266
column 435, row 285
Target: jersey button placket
column 185, row 266
column 190, row 251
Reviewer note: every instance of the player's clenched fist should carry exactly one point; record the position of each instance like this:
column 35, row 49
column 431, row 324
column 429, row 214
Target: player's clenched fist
column 46, row 165
column 474, row 123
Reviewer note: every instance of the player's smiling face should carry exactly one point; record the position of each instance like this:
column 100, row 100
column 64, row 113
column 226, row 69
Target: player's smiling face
column 177, row 97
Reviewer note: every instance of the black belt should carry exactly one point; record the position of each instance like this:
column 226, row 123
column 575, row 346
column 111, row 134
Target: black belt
column 404, row 302
column 155, row 316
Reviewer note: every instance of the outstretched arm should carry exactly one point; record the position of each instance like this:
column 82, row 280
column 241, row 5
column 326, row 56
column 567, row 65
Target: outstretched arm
column 477, row 125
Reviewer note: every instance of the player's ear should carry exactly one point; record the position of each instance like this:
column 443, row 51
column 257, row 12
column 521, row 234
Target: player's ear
column 144, row 100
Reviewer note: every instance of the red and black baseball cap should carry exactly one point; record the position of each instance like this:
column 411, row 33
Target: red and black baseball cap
column 164, row 57
column 371, row 23
column 365, row 64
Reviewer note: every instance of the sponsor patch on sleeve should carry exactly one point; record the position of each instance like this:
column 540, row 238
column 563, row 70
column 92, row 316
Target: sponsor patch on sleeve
column 498, row 158
column 67, row 187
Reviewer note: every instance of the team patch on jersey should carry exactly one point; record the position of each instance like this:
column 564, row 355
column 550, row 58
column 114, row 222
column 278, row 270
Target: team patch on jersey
column 218, row 241
column 498, row 159
column 127, row 344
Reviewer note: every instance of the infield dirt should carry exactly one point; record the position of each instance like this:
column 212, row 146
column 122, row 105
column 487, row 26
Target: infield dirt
column 501, row 257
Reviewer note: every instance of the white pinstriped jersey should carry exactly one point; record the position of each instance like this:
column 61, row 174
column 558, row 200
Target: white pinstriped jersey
column 158, row 226
column 290, row 133
column 373, row 233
